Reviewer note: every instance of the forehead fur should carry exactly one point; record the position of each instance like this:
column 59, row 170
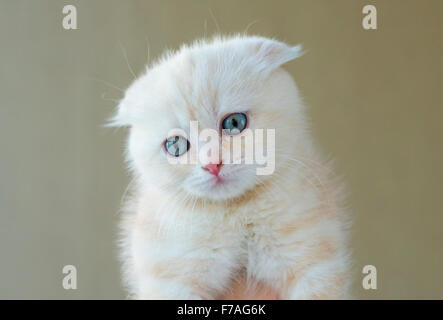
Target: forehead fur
column 208, row 77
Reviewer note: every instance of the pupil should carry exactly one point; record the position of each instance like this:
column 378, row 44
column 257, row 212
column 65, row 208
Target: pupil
column 175, row 146
column 234, row 123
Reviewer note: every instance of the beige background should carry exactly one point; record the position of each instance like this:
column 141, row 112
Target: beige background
column 375, row 100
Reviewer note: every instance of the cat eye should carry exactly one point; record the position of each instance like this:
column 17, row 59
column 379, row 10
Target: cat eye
column 234, row 123
column 177, row 145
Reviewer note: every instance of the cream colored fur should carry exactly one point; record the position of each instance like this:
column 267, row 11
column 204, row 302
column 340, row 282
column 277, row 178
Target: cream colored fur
column 184, row 237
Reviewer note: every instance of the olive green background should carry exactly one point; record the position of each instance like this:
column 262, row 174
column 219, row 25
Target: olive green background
column 375, row 101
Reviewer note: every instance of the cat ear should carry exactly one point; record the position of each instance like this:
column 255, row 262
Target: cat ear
column 129, row 108
column 271, row 54
column 121, row 117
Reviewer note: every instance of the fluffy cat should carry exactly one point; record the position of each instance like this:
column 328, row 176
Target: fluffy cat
column 201, row 230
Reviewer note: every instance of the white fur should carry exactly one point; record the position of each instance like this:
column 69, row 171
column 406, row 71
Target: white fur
column 177, row 215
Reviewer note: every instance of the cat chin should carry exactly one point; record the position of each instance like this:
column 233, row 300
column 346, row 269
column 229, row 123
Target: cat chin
column 220, row 190
column 217, row 195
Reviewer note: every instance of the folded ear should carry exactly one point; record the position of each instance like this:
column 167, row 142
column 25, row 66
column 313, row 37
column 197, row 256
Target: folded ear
column 121, row 117
column 271, row 54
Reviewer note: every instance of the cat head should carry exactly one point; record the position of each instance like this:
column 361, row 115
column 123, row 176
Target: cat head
column 227, row 86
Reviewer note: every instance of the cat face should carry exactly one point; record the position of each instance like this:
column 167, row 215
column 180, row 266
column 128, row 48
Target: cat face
column 228, row 88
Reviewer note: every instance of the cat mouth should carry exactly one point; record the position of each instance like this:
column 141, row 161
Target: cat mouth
column 225, row 184
column 224, row 178
column 217, row 180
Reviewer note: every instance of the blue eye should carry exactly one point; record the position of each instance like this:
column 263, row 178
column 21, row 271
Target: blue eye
column 176, row 146
column 234, row 123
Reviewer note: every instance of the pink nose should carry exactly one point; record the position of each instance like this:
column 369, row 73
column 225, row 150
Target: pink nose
column 213, row 168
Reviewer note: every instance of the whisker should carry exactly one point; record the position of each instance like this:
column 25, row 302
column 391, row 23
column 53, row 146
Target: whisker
column 148, row 51
column 250, row 24
column 215, row 20
column 109, row 99
column 127, row 61
column 107, row 83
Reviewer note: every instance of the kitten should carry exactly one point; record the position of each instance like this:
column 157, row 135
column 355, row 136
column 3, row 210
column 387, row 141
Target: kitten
column 196, row 229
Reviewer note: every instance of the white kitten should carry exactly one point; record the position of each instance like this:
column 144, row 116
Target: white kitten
column 190, row 231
